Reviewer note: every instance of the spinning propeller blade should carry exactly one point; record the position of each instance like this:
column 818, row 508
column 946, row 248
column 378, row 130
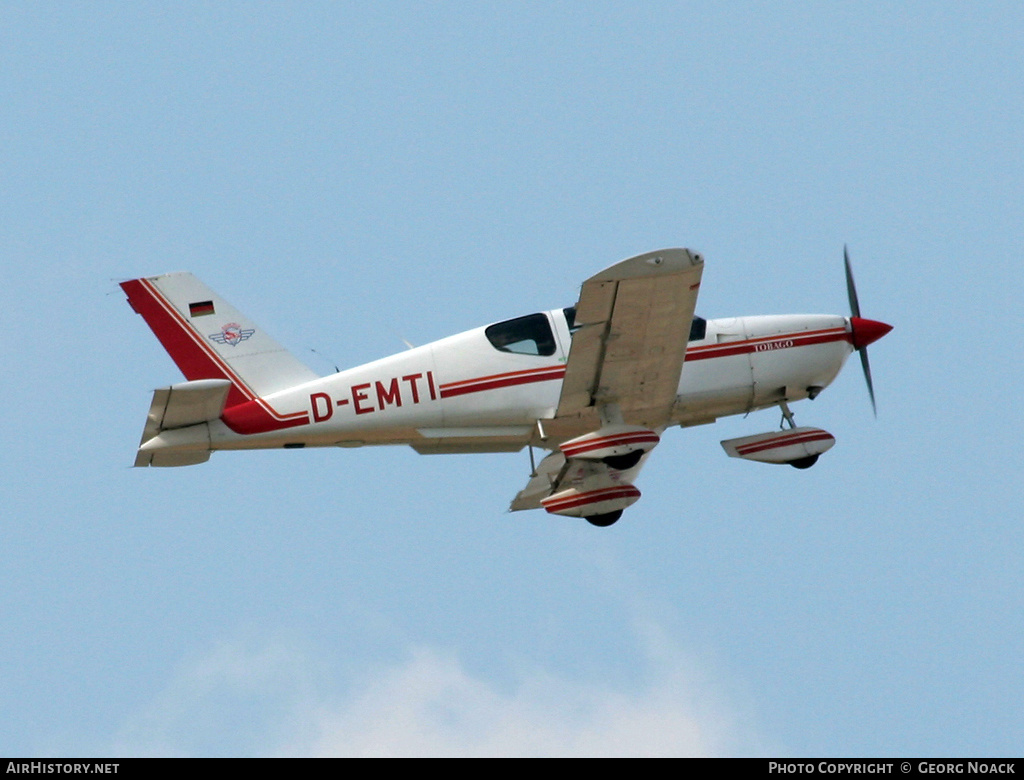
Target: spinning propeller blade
column 851, row 288
column 864, row 364
column 864, row 331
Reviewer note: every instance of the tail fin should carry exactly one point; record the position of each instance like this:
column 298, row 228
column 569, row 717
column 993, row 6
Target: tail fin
column 210, row 339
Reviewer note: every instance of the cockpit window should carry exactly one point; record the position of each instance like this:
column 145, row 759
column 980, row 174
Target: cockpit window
column 698, row 329
column 529, row 335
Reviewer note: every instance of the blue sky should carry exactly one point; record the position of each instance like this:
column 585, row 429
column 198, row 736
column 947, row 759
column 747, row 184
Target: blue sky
column 352, row 175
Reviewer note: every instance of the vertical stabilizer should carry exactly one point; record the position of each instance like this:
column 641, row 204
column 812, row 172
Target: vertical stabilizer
column 208, row 338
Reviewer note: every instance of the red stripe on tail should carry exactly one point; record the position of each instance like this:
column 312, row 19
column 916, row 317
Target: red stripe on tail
column 195, row 359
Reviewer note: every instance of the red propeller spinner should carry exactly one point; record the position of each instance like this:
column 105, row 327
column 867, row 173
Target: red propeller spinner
column 867, row 331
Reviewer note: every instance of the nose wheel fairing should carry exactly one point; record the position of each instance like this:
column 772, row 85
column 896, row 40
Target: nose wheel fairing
column 795, row 446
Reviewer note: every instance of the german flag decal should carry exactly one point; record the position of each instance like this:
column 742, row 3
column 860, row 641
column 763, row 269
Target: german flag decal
column 200, row 308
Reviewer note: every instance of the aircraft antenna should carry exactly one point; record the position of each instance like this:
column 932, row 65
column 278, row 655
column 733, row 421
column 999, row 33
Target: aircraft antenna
column 322, row 357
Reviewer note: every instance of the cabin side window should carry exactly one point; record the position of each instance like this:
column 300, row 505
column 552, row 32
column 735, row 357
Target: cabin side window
column 698, row 329
column 570, row 319
column 529, row 335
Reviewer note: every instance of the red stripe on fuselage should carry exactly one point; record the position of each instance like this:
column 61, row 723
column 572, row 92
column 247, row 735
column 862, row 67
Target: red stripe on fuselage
column 706, row 352
column 257, row 416
column 496, row 381
column 801, row 339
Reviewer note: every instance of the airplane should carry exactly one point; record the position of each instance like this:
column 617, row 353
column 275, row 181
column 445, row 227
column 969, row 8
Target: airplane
column 595, row 385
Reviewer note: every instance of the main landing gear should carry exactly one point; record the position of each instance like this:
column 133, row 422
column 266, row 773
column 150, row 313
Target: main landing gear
column 623, row 462
column 605, row 520
column 804, row 463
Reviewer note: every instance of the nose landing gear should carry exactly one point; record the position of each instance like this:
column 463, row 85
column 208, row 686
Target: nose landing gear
column 787, row 419
column 799, row 447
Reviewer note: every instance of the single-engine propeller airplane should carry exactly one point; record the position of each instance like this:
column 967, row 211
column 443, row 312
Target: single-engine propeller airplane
column 596, row 384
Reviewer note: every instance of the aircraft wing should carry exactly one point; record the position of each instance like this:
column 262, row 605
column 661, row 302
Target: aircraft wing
column 633, row 326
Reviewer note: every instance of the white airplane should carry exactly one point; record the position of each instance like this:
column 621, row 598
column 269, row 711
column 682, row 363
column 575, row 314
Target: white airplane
column 595, row 384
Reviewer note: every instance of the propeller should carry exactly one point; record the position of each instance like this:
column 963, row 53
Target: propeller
column 864, row 331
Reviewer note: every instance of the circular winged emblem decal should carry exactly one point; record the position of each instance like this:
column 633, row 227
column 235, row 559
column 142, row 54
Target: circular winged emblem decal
column 232, row 334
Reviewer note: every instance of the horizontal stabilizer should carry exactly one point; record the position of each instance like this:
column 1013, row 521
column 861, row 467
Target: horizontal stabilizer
column 176, row 432
column 172, row 458
column 188, row 403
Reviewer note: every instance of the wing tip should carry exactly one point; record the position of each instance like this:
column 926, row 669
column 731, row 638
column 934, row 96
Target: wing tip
column 656, row 263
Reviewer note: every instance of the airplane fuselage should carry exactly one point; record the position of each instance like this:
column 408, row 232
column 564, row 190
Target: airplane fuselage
column 595, row 384
column 464, row 394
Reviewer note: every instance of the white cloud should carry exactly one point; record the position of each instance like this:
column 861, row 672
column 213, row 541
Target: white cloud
column 431, row 706
column 270, row 700
column 233, row 700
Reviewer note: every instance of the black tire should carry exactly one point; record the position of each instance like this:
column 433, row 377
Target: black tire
column 804, row 463
column 605, row 520
column 623, row 462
